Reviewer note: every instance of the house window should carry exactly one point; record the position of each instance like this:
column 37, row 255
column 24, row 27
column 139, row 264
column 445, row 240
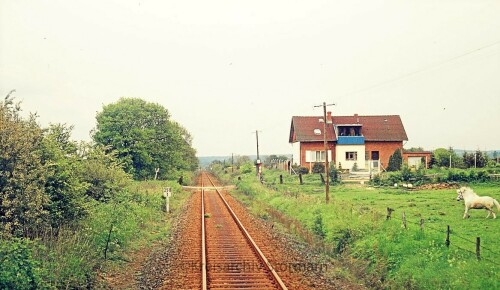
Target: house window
column 320, row 156
column 352, row 156
column 375, row 155
column 317, row 156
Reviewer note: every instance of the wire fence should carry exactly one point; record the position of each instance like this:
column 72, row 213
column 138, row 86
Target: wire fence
column 446, row 233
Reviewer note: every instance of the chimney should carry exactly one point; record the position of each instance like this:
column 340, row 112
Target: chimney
column 357, row 118
column 329, row 117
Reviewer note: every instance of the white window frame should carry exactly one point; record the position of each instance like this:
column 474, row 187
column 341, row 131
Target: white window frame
column 317, row 156
column 351, row 156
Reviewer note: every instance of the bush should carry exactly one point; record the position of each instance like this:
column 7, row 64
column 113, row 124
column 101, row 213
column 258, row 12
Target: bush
column 246, row 167
column 303, row 170
column 318, row 168
column 18, row 269
column 318, row 227
column 334, row 174
column 395, row 161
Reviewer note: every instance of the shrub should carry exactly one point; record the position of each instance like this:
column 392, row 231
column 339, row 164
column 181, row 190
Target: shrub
column 318, row 227
column 395, row 161
column 246, row 167
column 334, row 174
column 18, row 269
column 303, row 170
column 318, row 168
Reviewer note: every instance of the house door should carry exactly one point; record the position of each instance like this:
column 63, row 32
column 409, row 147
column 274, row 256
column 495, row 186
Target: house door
column 375, row 160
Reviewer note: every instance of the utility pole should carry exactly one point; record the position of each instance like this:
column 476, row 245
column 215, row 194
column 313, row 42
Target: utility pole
column 258, row 162
column 325, row 142
column 257, row 136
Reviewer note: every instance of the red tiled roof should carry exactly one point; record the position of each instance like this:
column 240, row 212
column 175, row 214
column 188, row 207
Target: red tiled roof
column 303, row 129
column 374, row 128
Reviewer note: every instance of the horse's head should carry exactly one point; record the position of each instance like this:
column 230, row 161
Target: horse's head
column 460, row 195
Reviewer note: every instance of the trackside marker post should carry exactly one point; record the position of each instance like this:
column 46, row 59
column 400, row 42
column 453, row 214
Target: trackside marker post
column 167, row 193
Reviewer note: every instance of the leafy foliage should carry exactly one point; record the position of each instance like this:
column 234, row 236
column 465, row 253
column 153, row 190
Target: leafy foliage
column 477, row 159
column 63, row 185
column 103, row 173
column 246, row 167
column 395, row 161
column 145, row 138
column 447, row 158
column 18, row 269
column 318, row 168
column 23, row 201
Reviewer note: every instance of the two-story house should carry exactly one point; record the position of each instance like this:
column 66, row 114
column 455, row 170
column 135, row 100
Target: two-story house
column 367, row 141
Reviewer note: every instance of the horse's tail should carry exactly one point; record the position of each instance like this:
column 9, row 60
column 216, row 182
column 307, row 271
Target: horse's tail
column 497, row 204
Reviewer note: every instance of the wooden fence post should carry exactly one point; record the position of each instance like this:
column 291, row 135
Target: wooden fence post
column 300, row 179
column 404, row 220
column 448, row 237
column 421, row 224
column 281, row 178
column 478, row 248
column 322, row 178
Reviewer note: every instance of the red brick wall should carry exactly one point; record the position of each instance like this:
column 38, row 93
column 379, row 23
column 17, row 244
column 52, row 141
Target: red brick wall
column 386, row 149
column 314, row 146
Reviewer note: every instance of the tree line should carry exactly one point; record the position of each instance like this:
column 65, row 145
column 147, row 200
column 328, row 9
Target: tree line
column 48, row 180
column 447, row 158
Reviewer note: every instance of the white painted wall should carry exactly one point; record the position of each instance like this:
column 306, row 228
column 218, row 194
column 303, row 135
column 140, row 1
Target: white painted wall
column 296, row 153
column 414, row 162
column 340, row 156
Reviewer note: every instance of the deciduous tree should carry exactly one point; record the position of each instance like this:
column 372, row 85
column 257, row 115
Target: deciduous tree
column 145, row 138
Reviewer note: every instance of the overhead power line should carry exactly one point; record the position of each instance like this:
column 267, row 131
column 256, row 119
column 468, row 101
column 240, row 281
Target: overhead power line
column 432, row 66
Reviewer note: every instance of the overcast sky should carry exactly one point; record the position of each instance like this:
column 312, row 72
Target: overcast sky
column 224, row 69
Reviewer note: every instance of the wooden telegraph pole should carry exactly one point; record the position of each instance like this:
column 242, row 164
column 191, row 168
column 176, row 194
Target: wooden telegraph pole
column 325, row 142
column 258, row 162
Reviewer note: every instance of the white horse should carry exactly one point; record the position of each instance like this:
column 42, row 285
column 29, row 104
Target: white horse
column 472, row 200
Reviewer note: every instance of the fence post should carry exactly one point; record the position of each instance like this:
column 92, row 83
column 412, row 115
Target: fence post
column 389, row 212
column 322, row 178
column 448, row 237
column 300, row 179
column 478, row 248
column 421, row 224
column 404, row 220
column 281, row 178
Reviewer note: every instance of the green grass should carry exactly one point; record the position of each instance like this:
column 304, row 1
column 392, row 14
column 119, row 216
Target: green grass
column 70, row 258
column 383, row 253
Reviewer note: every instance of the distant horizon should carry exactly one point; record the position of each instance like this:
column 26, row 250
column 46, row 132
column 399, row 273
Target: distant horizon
column 284, row 154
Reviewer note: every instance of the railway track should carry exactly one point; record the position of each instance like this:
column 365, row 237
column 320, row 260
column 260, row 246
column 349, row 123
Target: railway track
column 230, row 259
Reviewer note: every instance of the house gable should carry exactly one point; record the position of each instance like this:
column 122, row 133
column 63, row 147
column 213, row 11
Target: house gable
column 363, row 137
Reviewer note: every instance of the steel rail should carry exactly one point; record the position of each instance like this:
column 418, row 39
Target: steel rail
column 203, row 244
column 260, row 255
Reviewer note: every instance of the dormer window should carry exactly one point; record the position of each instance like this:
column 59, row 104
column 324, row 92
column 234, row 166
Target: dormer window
column 349, row 130
column 317, row 132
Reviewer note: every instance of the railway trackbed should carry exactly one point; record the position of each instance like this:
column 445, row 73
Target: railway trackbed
column 218, row 244
column 233, row 260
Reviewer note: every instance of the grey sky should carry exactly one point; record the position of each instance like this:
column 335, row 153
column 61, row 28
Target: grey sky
column 227, row 68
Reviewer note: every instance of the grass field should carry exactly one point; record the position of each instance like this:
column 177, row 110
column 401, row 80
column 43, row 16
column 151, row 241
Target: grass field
column 353, row 228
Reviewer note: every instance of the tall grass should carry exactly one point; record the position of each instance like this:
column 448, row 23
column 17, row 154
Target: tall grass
column 72, row 257
column 353, row 228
